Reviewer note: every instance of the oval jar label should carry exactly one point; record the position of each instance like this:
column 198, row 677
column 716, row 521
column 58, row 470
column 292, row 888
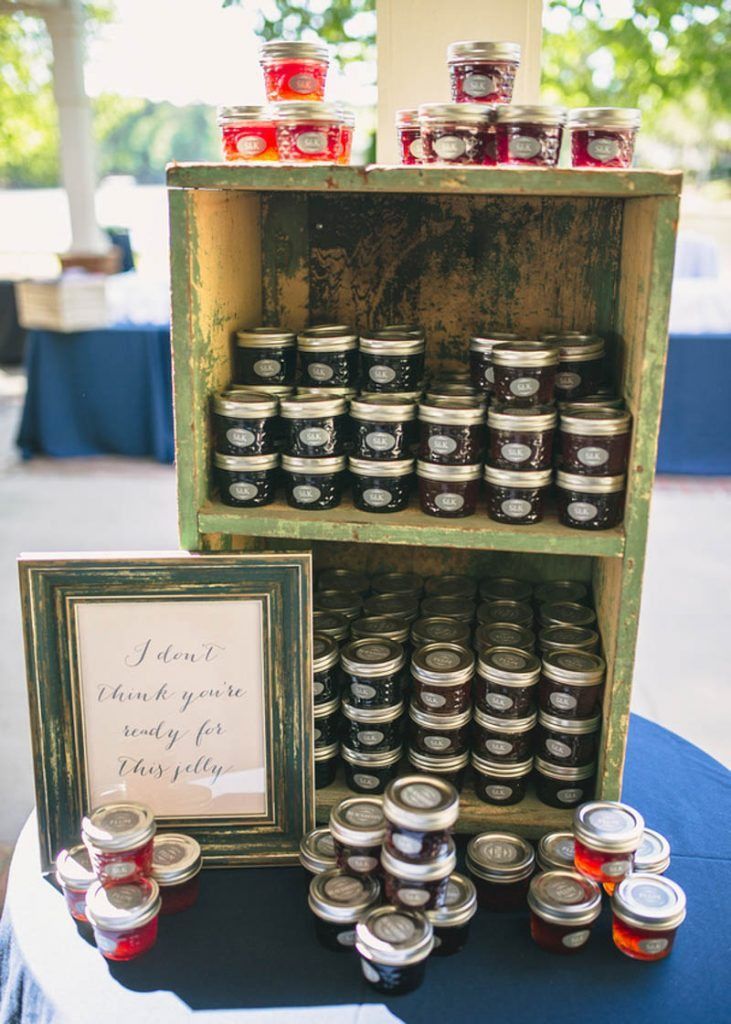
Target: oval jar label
column 122, row 869
column 303, row 83
column 379, row 441
column 603, row 149
column 562, row 701
column 250, row 145
column 514, row 452
column 569, row 796
column 500, row 747
column 361, row 863
column 306, row 493
column 449, row 147
column 490, row 375
column 365, row 781
column 557, row 748
column 498, row 701
column 318, row 688
column 567, row 380
column 347, row 938
column 652, row 946
column 406, row 844
column 479, row 85
column 311, row 143
column 413, row 897
column 377, row 497
column 524, row 387
column 314, row 437
column 437, row 742
column 449, row 502
column 370, row 737
column 515, row 508
column 524, row 147
column 382, row 374
column 240, row 437
column 421, row 794
column 575, row 939
column 267, row 367
column 498, row 792
column 582, row 511
column 362, row 691
column 441, row 445
column 416, row 148
column 369, row 973
column 364, row 815
column 616, row 868
column 243, row 491
column 320, row 371
column 592, row 456
column 433, row 700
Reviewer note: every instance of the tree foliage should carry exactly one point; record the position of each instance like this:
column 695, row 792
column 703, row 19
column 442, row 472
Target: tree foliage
column 338, row 22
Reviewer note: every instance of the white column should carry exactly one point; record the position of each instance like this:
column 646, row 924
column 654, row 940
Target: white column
column 413, row 36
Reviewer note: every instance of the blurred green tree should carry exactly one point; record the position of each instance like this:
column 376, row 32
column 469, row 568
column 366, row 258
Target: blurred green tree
column 339, row 22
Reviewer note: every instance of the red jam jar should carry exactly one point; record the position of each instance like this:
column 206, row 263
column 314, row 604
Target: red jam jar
column 451, row 769
column 265, row 356
column 417, row 885
column 408, row 133
column 561, row 590
column 338, row 901
column 444, row 735
column 451, row 923
column 75, row 875
column 420, row 812
column 503, row 740
column 501, row 865
column 482, row 372
column 437, row 629
column 603, row 136
column 516, row 496
column 119, row 840
column 505, row 684
column 449, row 492
column 567, row 638
column 294, row 70
column 607, row 835
column 580, row 365
column 571, row 683
column 595, row 442
column 653, row 856
column 648, row 910
column 370, row 772
column 590, row 502
column 309, row 132
column 381, row 487
column 570, row 741
column 372, row 672
column 452, row 432
column 328, row 356
column 482, row 72
column 247, row 133
column 457, row 133
column 442, row 677
column 566, row 613
column 358, row 827
column 503, row 588
column 408, row 583
column 525, row 372
column 521, row 438
column 317, row 851
column 555, row 852
column 563, row 907
column 498, row 782
column 383, row 427
column 176, row 867
column 529, row 135
column 391, row 361
column 503, row 634
column 124, row 917
column 564, row 786
column 394, row 945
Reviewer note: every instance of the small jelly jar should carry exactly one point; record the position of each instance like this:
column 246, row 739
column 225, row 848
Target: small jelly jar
column 373, row 672
column 326, row 765
column 382, row 427
column 561, row 590
column 449, row 492
column 392, row 363
column 343, row 579
column 442, row 675
column 325, row 658
column 346, row 602
column 247, row 133
column 451, row 585
column 450, row 769
column 499, row 782
column 652, row 856
column 331, row 624
column 294, row 70
column 408, row 135
column 607, row 835
column 603, row 136
column 505, row 684
column 571, row 683
column 445, row 735
column 244, row 423
column 338, row 901
column 570, row 741
column 555, row 851
column 518, row 612
column 567, row 638
column 449, row 607
column 457, row 133
column 309, row 132
column 246, row 481
column 521, row 438
column 529, row 135
column 370, row 772
column 482, row 72
column 417, row 885
column 648, row 910
column 420, row 813
column 317, row 851
column 124, row 917
column 590, row 502
column 119, row 840
column 394, row 944
column 516, row 496
column 503, row 588
column 387, row 627
column 265, row 356
column 451, row 923
column 314, row 425
column 501, row 865
column 410, row 584
column 580, row 365
column 176, row 867
column 563, row 907
column 563, row 786
column 525, row 372
column 75, row 875
column 451, row 434
column 398, row 606
column 503, row 740
column 358, row 827
column 369, row 730
column 327, row 722
column 566, row 613
column 482, row 372
column 439, row 629
column 314, row 484
column 328, row 355
column 503, row 634
column 595, row 442
column 347, row 131
column 381, row 486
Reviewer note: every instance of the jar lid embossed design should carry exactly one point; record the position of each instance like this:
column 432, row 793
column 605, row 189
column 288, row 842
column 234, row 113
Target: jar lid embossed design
column 382, row 409
column 340, row 898
column 325, row 652
column 500, row 857
column 265, row 337
column 358, row 821
column 648, row 901
column 475, row 50
column 530, row 114
column 509, row 666
column 395, row 937
column 555, row 851
column 176, row 858
column 422, row 804
column 118, row 827
column 317, row 851
column 443, row 664
column 460, row 904
column 595, row 422
column 608, row 826
column 124, row 907
column 574, row 668
column 565, row 898
column 372, row 658
column 524, row 354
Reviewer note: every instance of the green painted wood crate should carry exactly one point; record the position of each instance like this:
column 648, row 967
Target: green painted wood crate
column 454, row 250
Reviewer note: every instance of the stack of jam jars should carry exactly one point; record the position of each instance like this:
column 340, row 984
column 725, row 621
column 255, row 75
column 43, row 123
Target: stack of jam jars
column 315, row 437
column 441, row 707
column 451, row 443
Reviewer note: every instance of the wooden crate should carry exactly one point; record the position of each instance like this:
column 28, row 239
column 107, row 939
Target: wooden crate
column 452, row 250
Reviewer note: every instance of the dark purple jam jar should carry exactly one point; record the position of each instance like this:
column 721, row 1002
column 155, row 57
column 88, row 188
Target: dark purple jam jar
column 457, row 133
column 358, row 828
column 563, row 785
column 503, row 740
column 343, row 579
column 325, row 657
column 518, row 612
column 590, row 502
column 326, row 765
column 503, row 634
column 314, row 484
column 451, row 923
column 580, row 365
column 503, row 588
column 451, row 434
column 571, row 683
column 595, row 442
column 244, row 422
column 482, row 72
column 381, row 486
column 525, row 372
column 370, row 772
column 327, row 723
column 391, row 362
column 450, row 769
column 603, row 136
column 449, row 606
column 331, row 624
column 394, row 944
column 418, row 885
column 516, row 496
column 383, row 427
column 371, row 730
column 246, row 481
column 498, row 782
column 482, row 373
column 442, row 678
column 265, row 355
column 407, row 583
column 501, row 865
column 338, row 901
column 521, row 439
column 439, row 629
column 446, row 735
column 397, row 605
column 567, row 638
column 505, row 684
column 420, row 813
column 449, row 492
column 566, row 613
column 568, row 741
column 328, row 355
column 373, row 672
column 346, row 602
column 315, row 426
column 529, row 135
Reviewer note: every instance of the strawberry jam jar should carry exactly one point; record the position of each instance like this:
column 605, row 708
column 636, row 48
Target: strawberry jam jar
column 457, row 133
column 567, row 638
column 589, row 502
column 525, row 372
column 317, row 851
column 571, row 683
column 246, row 481
column 445, row 735
column 482, row 72
column 294, row 70
column 119, row 840
column 325, row 660
column 603, row 136
column 358, row 827
column 569, row 741
column 564, row 905
column 314, row 484
column 328, row 355
column 521, row 438
column 607, row 836
column 450, row 769
column 247, row 133
column 555, row 852
column 420, row 812
column 595, row 442
column 516, row 496
column 564, row 785
column 338, row 901
column 176, row 867
column 370, row 772
column 452, row 432
column 124, row 917
column 75, row 875
column 369, row 730
column 529, row 135
column 501, row 865
column 648, row 910
column 449, row 492
column 503, row 740
column 265, row 355
column 381, row 487
column 451, row 923
column 244, row 422
column 482, row 372
column 391, row 361
column 653, row 856
column 372, row 671
column 499, row 782
column 408, row 133
column 394, row 945
column 417, row 885
column 383, row 427
column 505, row 684
column 442, row 678
column 438, row 629
column 503, row 634
column 309, row 132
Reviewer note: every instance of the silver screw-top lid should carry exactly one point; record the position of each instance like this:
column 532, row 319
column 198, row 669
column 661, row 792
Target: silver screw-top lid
column 407, row 117
column 383, row 409
column 604, row 117
column 556, row 851
column 398, row 583
column 325, row 710
column 371, row 758
column 423, row 871
column 317, row 851
column 447, row 606
column 504, row 588
column 327, row 338
column 485, row 343
column 503, row 634
column 564, row 772
column 653, row 854
column 349, row 603
column 237, row 403
column 519, row 612
column 343, row 579
column 457, row 113
column 649, row 901
column 176, row 858
column 475, row 50
column 294, row 49
column 565, row 898
column 599, row 401
column 530, row 420
column 123, row 907
column 388, row 626
column 500, row 857
column 325, row 652
column 453, row 585
column 245, row 463
column 609, row 826
column 358, row 821
column 371, row 716
column 233, row 114
column 509, row 726
column 509, row 666
column 524, row 354
column 566, row 613
column 265, row 337
column 518, row 479
column 340, row 898
column 561, row 590
column 589, row 484
column 443, row 664
column 399, row 605
column 451, row 412
column 501, row 769
column 575, row 668
column 572, row 726
column 296, row 111
column 385, row 343
column 326, row 753
column 421, row 803
column 372, row 658
column 312, row 406
column 330, row 623
column 568, row 638
column 437, row 764
column 439, row 723
column 595, row 422
column 440, row 629
column 120, row 826
column 460, row 904
column 530, row 114
column 394, row 936
column 377, row 468
column 74, row 870
column 324, row 465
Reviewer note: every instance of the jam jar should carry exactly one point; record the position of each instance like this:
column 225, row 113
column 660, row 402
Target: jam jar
column 265, row 355
column 607, row 835
column 327, row 722
column 653, row 856
column 457, row 133
column 567, row 638
column 124, row 916
column 482, row 72
column 407, row 583
column 244, row 422
column 570, row 741
column 482, row 372
column 382, row 427
column 580, row 365
column 308, row 132
column 648, row 910
column 325, row 657
column 314, row 484
column 326, row 765
column 504, row 686
column 372, row 729
column 338, row 901
column 451, row 585
column 451, row 923
column 314, row 425
column 449, row 492
column 603, row 136
column 372, row 672
column 398, row 606
column 420, row 813
column 451, row 434
column 563, row 907
column 521, row 438
column 451, row 769
column 394, row 944
column 503, row 634
column 370, row 772
column 595, row 442
column 516, row 496
column 566, row 613
column 503, row 739
column 590, row 502
column 563, row 786
column 381, row 486
column 294, row 70
column 555, row 851
column 525, row 372
column 247, row 133
column 328, row 355
column 529, row 135
column 442, row 674
column 418, row 885
column 176, row 867
column 347, row 602
column 75, row 875
column 501, row 865
column 119, row 840
column 517, row 612
column 246, row 481
column 408, row 134
column 439, row 629
column 331, row 624
column 448, row 606
column 499, row 782
column 571, row 683
column 445, row 735
column 317, row 851
column 392, row 363
column 561, row 590
column 358, row 827
column 347, row 131
column 375, row 627
column 343, row 579
column 503, row 588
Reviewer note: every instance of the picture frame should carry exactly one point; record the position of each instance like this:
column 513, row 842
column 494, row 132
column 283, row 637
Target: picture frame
column 179, row 680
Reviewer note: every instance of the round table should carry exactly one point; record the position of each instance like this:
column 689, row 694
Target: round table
column 247, row 952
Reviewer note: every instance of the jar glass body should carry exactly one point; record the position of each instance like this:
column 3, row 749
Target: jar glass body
column 368, row 778
column 448, row 941
column 246, row 488
column 393, row 980
column 601, row 865
column 266, row 365
column 521, row 449
column 401, row 892
column 593, row 455
column 574, row 379
column 482, row 81
column 498, row 790
column 313, row 437
column 448, row 499
column 584, row 511
column 499, row 745
column 289, row 78
column 417, row 846
column 244, row 436
column 357, row 860
column 366, row 737
column 444, row 741
column 536, row 145
column 409, row 142
column 338, row 938
column 500, row 896
column 455, row 143
column 503, row 701
column 642, row 943
column 75, row 901
column 517, row 506
column 558, row 747
column 347, row 131
column 567, row 700
column 310, row 141
column 602, row 147
column 563, row 793
column 374, row 692
column 380, row 493
column 442, row 700
column 176, row 898
column 121, row 865
column 249, row 140
column 329, row 369
column 451, row 444
column 313, row 491
column 559, row 938
column 382, row 442
column 390, row 374
column 126, row 945
column 482, row 373
column 529, row 385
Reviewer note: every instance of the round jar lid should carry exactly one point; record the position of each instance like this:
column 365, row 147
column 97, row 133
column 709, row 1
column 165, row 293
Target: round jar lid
column 572, row 726
column 245, row 463
column 500, row 857
column 439, row 723
column 317, row 851
column 376, row 626
column 474, row 50
column 575, row 668
column 506, row 725
column 653, row 854
column 457, row 113
column 509, row 666
column 349, row 603
column 460, row 390
column 609, row 826
column 265, row 337
column 501, row 769
column 422, row 804
column 452, row 585
column 118, row 827
column 340, row 898
column 358, row 821
column 565, row 638
column 579, row 348
column 600, row 401
column 73, row 868
column 566, row 613
column 518, row 612
column 430, row 871
column 371, row 467
column 399, row 605
column 448, row 474
column 564, row 772
column 652, row 902
column 485, row 343
column 331, row 624
column 518, row 479
column 384, row 343
column 125, row 907
column 443, row 664
column 400, row 330
column 394, row 936
column 556, row 851
column 288, row 49
column 407, row 117
column 319, row 466
column 297, row 111
column 330, row 708
column 524, row 354
column 324, row 389
column 311, row 407
column 437, row 764
column 228, row 114
column 565, row 898
column 440, row 629
column 449, row 413
column 398, row 583
column 460, row 904
column 503, row 588
column 343, row 579
column 372, row 657
column 176, row 858
column 503, row 634
column 371, row 758
column 595, row 422
column 604, row 117
column 326, row 753
column 327, row 338
column 446, row 606
column 532, row 419
column 325, row 652
column 236, row 403
column 382, row 409
column 530, row 114
column 561, row 590
column 372, row 716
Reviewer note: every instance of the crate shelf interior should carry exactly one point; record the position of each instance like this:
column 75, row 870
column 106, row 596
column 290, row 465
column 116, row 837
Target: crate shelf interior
column 453, row 250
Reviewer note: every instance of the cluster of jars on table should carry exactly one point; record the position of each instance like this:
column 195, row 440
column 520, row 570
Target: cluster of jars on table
column 451, row 662
column 401, row 428
column 296, row 124
column 384, row 881
column 480, row 127
column 124, row 875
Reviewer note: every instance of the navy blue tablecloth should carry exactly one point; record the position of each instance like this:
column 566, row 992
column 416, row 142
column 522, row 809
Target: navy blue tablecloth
column 98, row 393
column 249, row 944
